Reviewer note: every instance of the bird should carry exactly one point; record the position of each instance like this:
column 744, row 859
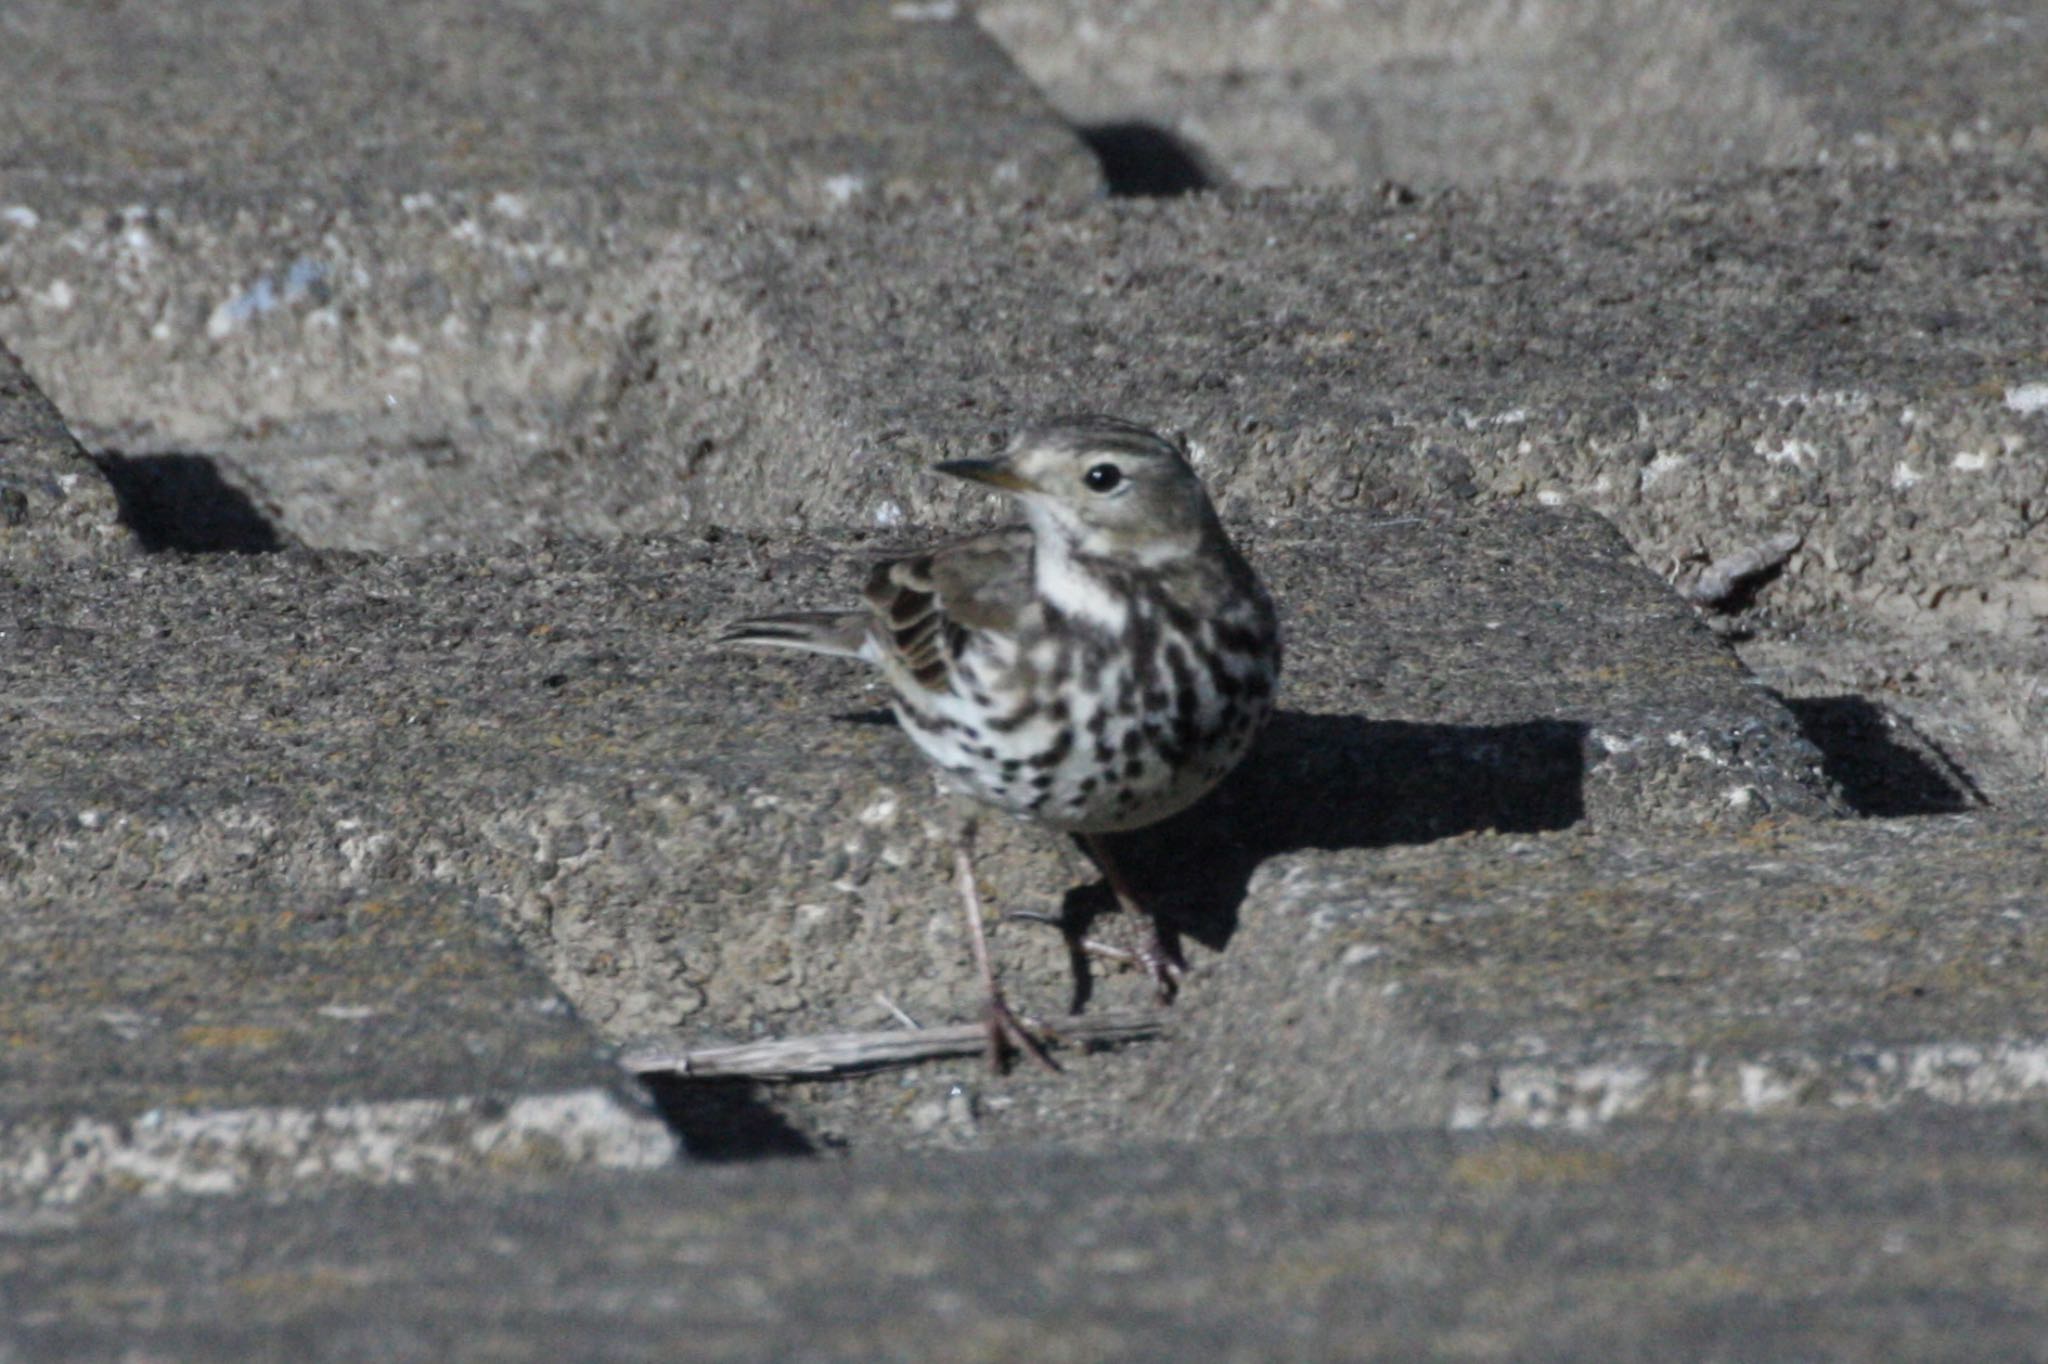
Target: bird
column 1095, row 669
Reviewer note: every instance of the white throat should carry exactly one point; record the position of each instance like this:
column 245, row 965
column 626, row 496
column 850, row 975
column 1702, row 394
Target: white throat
column 1062, row 583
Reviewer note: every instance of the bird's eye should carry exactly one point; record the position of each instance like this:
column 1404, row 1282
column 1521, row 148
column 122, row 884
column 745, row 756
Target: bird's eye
column 1103, row 477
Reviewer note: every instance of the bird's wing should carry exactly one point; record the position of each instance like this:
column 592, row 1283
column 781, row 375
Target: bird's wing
column 926, row 605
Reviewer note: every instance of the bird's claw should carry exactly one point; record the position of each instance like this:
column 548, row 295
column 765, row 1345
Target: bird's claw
column 1155, row 956
column 1007, row 1031
column 1161, row 960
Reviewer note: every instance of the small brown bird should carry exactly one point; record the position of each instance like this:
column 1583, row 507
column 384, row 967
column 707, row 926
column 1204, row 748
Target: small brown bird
column 1097, row 669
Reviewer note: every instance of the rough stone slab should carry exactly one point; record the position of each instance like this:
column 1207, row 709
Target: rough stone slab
column 767, row 102
column 383, row 276
column 1851, row 356
column 736, row 843
column 1975, row 709
column 1551, row 980
column 1912, row 1236
column 1569, row 981
column 1907, row 79
column 1867, row 377
column 1280, row 92
column 52, row 499
column 207, row 1043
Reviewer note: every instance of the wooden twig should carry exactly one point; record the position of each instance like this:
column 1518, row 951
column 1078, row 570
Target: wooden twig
column 796, row 1058
column 1721, row 580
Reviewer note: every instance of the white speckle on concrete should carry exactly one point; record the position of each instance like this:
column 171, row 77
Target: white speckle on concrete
column 58, row 296
column 1842, row 400
column 1551, row 497
column 841, row 189
column 1793, row 452
column 21, row 216
column 1616, row 743
column 2027, row 399
column 1659, row 468
column 1694, row 747
column 960, row 1114
column 127, row 1023
column 1970, row 461
column 401, row 344
column 889, row 513
column 254, row 301
column 508, row 205
column 303, row 279
column 931, row 12
column 417, row 203
column 1904, row 476
column 221, row 1151
column 1759, row 1089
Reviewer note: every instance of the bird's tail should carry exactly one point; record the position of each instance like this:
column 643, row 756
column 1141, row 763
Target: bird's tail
column 843, row 634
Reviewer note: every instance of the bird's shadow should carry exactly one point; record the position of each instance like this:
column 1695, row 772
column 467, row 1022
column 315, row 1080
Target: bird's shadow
column 1336, row 782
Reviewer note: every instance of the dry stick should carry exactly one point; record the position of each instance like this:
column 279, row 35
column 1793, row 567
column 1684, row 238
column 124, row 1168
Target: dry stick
column 1720, row 580
column 797, row 1058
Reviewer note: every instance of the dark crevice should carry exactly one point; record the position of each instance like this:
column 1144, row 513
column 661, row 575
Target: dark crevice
column 725, row 1119
column 1335, row 782
column 1883, row 765
column 1143, row 160
column 180, row 502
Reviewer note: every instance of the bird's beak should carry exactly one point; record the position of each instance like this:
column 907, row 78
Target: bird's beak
column 994, row 472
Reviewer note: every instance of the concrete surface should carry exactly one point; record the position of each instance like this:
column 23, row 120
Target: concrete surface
column 769, row 102
column 1913, row 1236
column 209, row 1043
column 1563, row 986
column 1293, row 92
column 1551, row 979
column 1863, row 376
column 53, row 501
column 406, row 247
column 746, row 844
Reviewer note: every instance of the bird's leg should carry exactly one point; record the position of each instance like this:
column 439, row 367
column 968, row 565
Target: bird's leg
column 1158, row 951
column 1005, row 1028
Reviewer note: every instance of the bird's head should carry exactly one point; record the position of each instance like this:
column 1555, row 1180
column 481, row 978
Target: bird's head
column 1105, row 486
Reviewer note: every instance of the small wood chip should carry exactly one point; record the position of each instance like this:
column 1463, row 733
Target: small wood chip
column 797, row 1058
column 1722, row 579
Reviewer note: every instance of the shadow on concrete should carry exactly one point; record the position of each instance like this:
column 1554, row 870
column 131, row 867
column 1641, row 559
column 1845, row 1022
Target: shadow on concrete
column 1861, row 750
column 1340, row 781
column 725, row 1120
column 1145, row 161
column 180, row 502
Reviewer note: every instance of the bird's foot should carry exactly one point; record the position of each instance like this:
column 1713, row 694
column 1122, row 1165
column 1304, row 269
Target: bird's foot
column 1156, row 953
column 1158, row 956
column 1009, row 1031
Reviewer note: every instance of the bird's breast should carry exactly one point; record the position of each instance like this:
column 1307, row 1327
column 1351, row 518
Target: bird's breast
column 1087, row 730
